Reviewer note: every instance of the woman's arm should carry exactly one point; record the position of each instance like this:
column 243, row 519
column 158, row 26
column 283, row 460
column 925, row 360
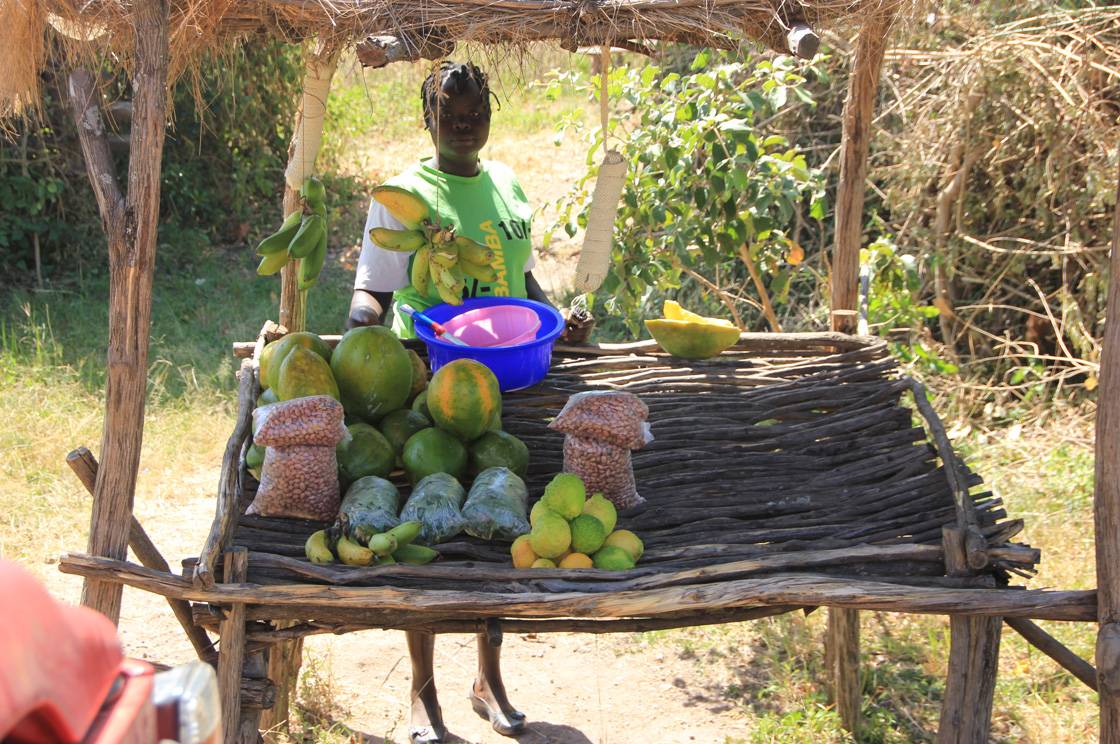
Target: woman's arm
column 533, row 290
column 368, row 308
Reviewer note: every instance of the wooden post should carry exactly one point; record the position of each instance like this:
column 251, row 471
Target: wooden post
column 966, row 711
column 1106, row 503
column 859, row 109
column 302, row 152
column 842, row 660
column 231, row 648
column 130, row 223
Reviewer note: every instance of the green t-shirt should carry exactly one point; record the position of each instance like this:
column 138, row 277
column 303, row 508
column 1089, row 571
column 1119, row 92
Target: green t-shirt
column 490, row 208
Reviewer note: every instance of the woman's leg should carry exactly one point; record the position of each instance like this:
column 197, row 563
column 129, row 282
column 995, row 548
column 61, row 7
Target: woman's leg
column 489, row 693
column 427, row 719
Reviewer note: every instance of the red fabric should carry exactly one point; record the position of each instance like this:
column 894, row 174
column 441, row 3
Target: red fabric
column 57, row 662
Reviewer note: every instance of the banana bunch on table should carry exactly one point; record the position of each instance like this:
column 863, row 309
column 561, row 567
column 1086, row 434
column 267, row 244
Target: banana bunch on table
column 443, row 259
column 303, row 235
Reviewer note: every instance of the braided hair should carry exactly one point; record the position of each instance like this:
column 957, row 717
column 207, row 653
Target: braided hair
column 460, row 74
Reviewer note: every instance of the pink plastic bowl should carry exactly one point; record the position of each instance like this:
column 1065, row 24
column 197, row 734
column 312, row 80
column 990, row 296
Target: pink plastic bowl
column 495, row 325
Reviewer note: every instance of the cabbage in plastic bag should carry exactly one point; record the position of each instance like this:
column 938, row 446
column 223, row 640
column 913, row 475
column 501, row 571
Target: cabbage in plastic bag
column 496, row 506
column 370, row 507
column 436, row 503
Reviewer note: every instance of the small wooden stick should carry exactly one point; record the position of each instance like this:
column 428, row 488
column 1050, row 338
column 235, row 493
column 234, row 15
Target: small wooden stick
column 1054, row 648
column 85, row 465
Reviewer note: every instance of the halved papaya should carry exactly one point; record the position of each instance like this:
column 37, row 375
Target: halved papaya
column 690, row 336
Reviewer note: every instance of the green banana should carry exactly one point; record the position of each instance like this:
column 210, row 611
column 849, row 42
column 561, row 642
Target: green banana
column 272, row 263
column 405, row 532
column 308, row 237
column 419, row 271
column 385, row 560
column 383, row 544
column 318, row 549
column 405, row 241
column 478, row 271
column 472, row 250
column 308, row 272
column 278, row 241
column 313, row 191
column 444, row 259
column 417, row 555
column 352, row 553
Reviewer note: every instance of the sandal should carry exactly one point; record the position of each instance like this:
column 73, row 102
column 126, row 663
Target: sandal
column 511, row 725
column 424, row 735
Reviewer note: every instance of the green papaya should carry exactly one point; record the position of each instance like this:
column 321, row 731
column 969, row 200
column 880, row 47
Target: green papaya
column 304, row 373
column 367, row 452
column 273, row 355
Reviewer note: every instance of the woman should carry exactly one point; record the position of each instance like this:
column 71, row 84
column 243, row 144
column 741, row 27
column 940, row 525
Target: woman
column 483, row 201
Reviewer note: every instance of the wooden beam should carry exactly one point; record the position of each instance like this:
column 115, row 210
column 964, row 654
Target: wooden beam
column 130, row 224
column 803, row 42
column 842, row 659
column 1054, row 648
column 799, row 589
column 859, row 110
column 379, row 51
column 85, row 466
column 1106, row 502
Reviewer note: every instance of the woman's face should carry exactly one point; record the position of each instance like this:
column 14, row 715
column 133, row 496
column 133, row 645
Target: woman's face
column 460, row 125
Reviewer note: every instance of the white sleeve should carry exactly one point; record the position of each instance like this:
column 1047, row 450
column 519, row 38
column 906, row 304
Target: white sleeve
column 380, row 270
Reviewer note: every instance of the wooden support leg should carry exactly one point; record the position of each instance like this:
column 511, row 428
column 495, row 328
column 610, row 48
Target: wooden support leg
column 231, row 649
column 1106, row 502
column 284, row 662
column 130, row 221
column 966, row 711
column 842, row 660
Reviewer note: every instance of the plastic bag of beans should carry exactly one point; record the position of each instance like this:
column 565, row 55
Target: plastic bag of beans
column 299, row 477
column 607, row 416
column 603, row 467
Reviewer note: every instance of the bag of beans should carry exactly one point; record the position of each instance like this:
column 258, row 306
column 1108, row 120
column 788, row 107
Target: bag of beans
column 606, row 415
column 299, row 477
column 601, row 428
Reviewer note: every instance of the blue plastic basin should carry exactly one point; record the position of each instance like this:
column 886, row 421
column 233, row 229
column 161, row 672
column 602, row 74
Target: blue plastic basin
column 515, row 367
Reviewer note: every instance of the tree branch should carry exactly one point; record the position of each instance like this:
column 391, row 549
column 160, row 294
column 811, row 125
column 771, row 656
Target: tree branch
column 83, row 96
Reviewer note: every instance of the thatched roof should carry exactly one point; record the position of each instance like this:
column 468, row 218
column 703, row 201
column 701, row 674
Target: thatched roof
column 103, row 27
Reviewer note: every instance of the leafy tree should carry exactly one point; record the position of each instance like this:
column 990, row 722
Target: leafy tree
column 709, row 194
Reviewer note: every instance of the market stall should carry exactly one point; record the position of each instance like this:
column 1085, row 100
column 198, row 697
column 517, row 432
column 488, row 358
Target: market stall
column 805, row 484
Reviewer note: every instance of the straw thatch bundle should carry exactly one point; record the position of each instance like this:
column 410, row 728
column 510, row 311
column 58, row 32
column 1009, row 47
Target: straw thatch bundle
column 103, row 28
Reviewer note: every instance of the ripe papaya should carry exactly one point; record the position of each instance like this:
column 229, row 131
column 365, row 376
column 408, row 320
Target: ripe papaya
column 463, row 398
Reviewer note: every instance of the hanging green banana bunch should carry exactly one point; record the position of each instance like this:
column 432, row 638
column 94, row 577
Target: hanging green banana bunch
column 303, row 235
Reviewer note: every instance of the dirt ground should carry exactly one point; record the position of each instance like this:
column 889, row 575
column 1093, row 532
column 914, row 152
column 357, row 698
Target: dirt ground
column 574, row 688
